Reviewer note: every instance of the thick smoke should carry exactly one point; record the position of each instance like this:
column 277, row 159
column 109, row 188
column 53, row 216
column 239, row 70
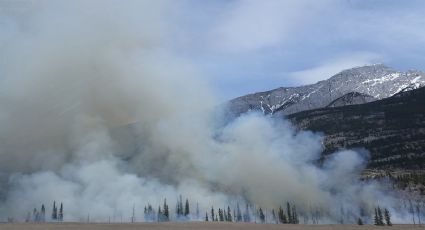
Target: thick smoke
column 100, row 113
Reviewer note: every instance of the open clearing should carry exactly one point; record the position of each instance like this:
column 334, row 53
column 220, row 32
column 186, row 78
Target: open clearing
column 193, row 225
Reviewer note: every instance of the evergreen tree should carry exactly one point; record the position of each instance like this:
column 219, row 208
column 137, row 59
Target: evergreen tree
column 280, row 215
column 55, row 211
column 224, row 214
column 43, row 213
column 212, row 214
column 197, row 211
column 288, row 212
column 60, row 216
column 145, row 212
column 295, row 219
column 220, row 214
column 181, row 206
column 246, row 216
column 380, row 217
column 159, row 215
column 238, row 213
column 35, row 215
column 166, row 211
column 206, row 216
column 229, row 215
column 387, row 217
column 149, row 213
column 186, row 208
column 274, row 218
column 261, row 215
column 375, row 218
column 359, row 221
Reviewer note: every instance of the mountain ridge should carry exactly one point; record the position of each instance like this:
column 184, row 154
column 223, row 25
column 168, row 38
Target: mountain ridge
column 378, row 81
column 391, row 129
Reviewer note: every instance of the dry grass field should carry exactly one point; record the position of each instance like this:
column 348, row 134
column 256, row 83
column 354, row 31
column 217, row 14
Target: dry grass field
column 194, row 225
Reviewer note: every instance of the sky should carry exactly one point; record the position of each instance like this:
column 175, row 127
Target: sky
column 249, row 46
column 246, row 46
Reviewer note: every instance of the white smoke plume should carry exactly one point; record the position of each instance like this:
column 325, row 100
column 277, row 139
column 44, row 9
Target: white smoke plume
column 99, row 112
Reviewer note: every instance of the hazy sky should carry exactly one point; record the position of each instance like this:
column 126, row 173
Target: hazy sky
column 246, row 46
column 251, row 45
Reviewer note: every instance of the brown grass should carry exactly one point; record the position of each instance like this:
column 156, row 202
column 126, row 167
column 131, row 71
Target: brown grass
column 193, row 225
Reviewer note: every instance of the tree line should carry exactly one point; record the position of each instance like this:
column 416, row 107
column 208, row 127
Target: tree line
column 40, row 215
column 286, row 214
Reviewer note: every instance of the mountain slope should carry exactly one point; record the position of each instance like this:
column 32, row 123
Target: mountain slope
column 352, row 98
column 378, row 81
column 392, row 129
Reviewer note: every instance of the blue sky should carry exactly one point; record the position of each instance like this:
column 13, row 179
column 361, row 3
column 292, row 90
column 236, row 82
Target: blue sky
column 248, row 46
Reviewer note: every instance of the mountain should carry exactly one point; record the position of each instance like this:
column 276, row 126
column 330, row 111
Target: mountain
column 377, row 81
column 392, row 129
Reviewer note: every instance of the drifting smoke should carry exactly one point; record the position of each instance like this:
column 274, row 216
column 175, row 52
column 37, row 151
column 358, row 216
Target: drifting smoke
column 99, row 112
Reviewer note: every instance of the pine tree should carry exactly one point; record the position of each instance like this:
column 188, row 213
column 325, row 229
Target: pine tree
column 55, row 211
column 220, row 214
column 186, row 208
column 295, row 219
column 60, row 216
column 274, row 218
column 181, row 206
column 288, row 212
column 375, row 218
column 238, row 213
column 159, row 215
column 43, row 213
column 246, row 216
column 280, row 215
column 229, row 215
column 359, row 221
column 35, row 215
column 380, row 217
column 206, row 216
column 166, row 211
column 197, row 211
column 387, row 217
column 212, row 214
column 261, row 215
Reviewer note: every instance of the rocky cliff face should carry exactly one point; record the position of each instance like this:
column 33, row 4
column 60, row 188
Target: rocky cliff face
column 377, row 81
column 392, row 129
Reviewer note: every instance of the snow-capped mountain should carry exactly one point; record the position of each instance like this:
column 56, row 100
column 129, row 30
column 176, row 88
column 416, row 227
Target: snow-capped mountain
column 376, row 81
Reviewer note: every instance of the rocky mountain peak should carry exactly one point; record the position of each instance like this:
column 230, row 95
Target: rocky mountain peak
column 378, row 81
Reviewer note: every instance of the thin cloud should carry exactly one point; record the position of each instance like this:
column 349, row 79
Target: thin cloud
column 332, row 67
